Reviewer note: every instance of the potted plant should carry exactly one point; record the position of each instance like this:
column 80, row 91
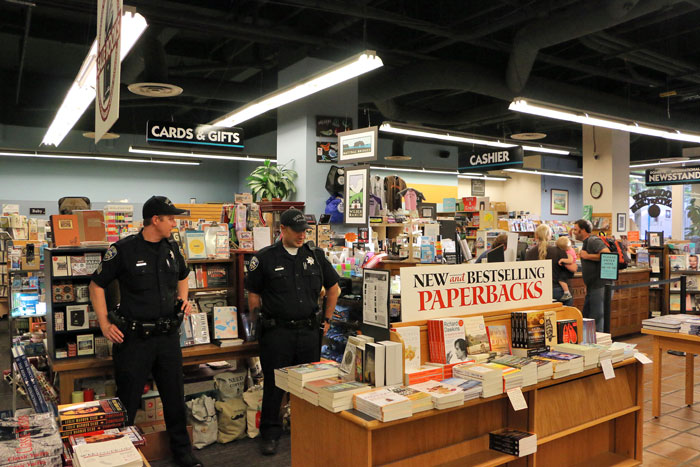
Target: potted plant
column 270, row 181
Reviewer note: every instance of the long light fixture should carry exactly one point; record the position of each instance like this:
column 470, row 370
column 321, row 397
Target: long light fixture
column 197, row 155
column 464, row 138
column 545, row 172
column 343, row 71
column 439, row 172
column 656, row 163
column 585, row 118
column 95, row 157
column 82, row 92
column 435, row 133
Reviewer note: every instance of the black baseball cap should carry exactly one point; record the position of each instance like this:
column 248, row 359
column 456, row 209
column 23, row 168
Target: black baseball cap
column 160, row 206
column 294, row 219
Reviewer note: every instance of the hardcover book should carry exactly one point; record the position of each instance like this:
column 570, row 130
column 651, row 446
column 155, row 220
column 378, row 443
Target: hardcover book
column 217, row 275
column 225, row 322
column 77, row 266
column 59, row 266
column 194, row 244
column 65, row 230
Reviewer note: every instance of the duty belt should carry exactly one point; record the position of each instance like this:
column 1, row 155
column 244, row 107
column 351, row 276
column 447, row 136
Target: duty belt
column 309, row 322
column 162, row 326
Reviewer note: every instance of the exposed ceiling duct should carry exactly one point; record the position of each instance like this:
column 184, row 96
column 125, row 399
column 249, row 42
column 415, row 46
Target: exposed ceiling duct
column 583, row 19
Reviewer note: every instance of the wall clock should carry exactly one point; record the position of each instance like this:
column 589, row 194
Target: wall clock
column 596, row 190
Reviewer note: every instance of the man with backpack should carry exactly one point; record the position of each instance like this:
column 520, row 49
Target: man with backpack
column 593, row 246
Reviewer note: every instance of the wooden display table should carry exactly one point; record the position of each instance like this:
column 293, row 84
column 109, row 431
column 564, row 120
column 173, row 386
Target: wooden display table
column 73, row 369
column 580, row 419
column 664, row 341
column 628, row 307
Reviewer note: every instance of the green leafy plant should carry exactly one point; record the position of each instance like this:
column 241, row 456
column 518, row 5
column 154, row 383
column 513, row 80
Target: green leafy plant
column 694, row 216
column 272, row 181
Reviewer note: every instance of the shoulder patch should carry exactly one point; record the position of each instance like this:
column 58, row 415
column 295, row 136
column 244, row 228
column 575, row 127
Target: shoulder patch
column 111, row 253
column 254, row 263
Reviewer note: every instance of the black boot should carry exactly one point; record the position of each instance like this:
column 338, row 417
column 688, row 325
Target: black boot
column 268, row 447
column 187, row 460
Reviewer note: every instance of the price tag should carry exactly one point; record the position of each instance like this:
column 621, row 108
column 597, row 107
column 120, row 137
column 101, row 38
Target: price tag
column 642, row 358
column 517, row 400
column 608, row 370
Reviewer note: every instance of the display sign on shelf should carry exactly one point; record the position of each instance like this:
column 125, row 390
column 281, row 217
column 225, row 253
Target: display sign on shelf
column 109, row 26
column 464, row 289
column 198, row 135
column 483, row 158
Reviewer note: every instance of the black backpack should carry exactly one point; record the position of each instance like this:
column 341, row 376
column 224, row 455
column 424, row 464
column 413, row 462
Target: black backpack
column 615, row 246
column 335, row 181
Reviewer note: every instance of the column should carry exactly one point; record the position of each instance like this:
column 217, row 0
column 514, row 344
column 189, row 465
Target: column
column 606, row 158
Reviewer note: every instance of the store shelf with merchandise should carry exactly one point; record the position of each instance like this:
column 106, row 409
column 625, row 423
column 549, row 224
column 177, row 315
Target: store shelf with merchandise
column 603, row 427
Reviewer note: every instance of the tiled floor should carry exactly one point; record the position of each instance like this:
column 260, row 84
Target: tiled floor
column 674, row 438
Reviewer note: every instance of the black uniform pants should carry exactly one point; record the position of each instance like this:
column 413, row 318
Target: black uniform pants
column 281, row 347
column 134, row 360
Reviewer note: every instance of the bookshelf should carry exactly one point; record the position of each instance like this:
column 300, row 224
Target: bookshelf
column 659, row 296
column 581, row 419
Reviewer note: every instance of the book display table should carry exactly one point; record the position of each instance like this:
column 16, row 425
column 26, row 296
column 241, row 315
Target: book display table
column 581, row 419
column 72, row 369
column 664, row 341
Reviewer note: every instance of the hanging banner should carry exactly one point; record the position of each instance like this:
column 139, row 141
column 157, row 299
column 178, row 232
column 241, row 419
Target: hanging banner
column 464, row 289
column 485, row 158
column 109, row 26
column 673, row 176
column 197, row 135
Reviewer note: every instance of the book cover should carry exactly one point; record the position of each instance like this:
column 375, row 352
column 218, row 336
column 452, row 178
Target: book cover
column 115, row 452
column 99, row 436
column 225, row 322
column 534, row 336
column 77, row 266
column 86, row 344
column 588, row 335
column 677, row 262
column 411, row 346
column 359, row 364
column 217, row 276
column 567, row 331
column 59, row 266
column 92, row 410
column 65, row 230
column 200, row 328
column 91, row 226
column 498, row 338
column 31, row 439
column 92, row 261
column 376, row 361
column 347, row 364
column 550, row 328
column 476, row 335
column 222, row 246
column 194, row 244
column 77, row 317
column 675, row 302
column 368, row 368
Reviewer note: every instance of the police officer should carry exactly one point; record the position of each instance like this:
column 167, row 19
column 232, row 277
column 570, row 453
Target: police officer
column 152, row 276
column 284, row 281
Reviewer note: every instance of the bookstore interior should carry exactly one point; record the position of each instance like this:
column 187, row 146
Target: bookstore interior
column 471, row 266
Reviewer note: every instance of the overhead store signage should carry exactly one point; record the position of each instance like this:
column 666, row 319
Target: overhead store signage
column 465, row 289
column 490, row 159
column 199, row 135
column 673, row 176
column 109, row 26
column 651, row 197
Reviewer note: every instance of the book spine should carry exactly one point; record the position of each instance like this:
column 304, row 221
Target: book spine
column 80, row 431
column 27, row 375
column 95, row 420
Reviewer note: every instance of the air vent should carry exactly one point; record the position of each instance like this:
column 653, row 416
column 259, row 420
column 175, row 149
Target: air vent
column 529, row 136
column 155, row 89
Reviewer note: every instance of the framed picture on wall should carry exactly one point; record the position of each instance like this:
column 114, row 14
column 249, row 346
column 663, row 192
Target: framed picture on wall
column 559, row 202
column 356, row 194
column 621, row 221
column 358, row 145
column 427, row 210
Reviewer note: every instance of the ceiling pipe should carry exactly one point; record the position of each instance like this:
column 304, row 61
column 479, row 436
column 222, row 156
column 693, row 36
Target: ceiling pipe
column 583, row 19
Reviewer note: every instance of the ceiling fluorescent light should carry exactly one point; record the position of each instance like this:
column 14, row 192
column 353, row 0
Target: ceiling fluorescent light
column 82, row 92
column 641, row 177
column 96, row 157
column 434, row 133
column 483, row 177
column 197, row 155
column 545, row 172
column 343, row 71
column 660, row 162
column 439, row 172
column 546, row 150
column 550, row 111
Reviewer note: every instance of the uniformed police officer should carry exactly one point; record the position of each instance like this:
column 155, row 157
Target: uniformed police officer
column 284, row 281
column 152, row 275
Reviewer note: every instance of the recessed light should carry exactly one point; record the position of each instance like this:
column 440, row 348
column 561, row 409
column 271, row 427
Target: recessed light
column 528, row 136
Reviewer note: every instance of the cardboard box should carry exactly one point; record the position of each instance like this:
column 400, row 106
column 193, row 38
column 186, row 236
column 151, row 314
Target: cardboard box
column 500, row 206
column 157, row 440
column 159, row 414
column 148, row 403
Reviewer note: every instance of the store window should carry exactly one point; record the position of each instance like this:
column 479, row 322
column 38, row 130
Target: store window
column 644, row 222
column 691, row 210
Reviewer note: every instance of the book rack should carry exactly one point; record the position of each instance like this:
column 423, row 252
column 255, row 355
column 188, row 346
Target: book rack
column 579, row 419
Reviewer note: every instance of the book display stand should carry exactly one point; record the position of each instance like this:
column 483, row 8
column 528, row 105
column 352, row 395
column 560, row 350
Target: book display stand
column 581, row 419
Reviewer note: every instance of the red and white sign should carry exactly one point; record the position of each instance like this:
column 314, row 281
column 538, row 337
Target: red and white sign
column 109, row 27
column 464, row 289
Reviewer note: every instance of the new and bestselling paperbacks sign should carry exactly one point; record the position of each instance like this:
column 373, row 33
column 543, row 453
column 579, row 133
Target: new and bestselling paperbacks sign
column 109, row 26
column 463, row 289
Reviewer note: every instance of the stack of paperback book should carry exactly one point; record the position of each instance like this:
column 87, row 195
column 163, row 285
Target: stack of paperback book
column 85, row 417
column 312, row 388
column 443, row 395
column 338, row 397
column 663, row 323
column 383, row 404
column 470, row 387
column 590, row 354
column 527, row 367
column 691, row 326
column 545, row 370
column 564, row 364
column 420, row 401
column 301, row 374
column 513, row 442
column 491, row 379
column 115, row 452
column 30, row 440
column 424, row 373
column 603, row 338
column 130, row 432
column 512, row 377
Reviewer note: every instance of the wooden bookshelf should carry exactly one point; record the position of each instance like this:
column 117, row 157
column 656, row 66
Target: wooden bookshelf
column 581, row 419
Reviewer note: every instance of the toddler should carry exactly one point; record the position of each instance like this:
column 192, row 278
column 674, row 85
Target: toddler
column 565, row 244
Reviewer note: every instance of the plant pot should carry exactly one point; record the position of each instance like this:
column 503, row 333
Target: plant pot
column 276, row 199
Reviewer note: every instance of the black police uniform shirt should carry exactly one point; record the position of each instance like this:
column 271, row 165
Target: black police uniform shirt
column 148, row 274
column 289, row 285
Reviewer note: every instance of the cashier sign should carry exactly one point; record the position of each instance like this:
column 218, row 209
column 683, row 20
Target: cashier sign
column 462, row 289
